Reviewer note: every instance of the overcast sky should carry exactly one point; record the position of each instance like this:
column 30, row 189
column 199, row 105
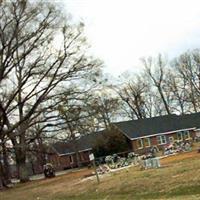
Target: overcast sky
column 123, row 31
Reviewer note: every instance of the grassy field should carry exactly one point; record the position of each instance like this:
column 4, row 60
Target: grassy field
column 179, row 178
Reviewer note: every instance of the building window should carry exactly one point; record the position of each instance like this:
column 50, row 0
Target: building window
column 139, row 143
column 179, row 136
column 71, row 160
column 171, row 139
column 186, row 135
column 161, row 139
column 183, row 135
column 147, row 142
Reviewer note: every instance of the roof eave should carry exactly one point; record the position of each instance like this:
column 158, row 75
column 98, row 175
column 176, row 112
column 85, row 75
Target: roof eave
column 164, row 133
column 70, row 153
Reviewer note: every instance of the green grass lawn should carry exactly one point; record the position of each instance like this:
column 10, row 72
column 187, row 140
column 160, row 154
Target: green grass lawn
column 179, row 178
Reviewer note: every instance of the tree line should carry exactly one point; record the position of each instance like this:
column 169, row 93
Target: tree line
column 163, row 87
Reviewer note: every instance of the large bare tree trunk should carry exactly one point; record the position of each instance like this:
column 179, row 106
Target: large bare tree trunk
column 76, row 151
column 78, row 159
column 23, row 172
column 166, row 105
column 1, row 177
column 21, row 165
column 3, row 181
column 6, row 168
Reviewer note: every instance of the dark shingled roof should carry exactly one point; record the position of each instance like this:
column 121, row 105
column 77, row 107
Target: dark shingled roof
column 83, row 143
column 162, row 124
column 134, row 129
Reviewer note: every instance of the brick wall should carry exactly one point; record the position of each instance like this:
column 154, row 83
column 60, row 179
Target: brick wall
column 154, row 142
column 69, row 161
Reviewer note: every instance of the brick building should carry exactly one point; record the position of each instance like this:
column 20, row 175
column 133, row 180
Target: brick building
column 141, row 135
column 63, row 154
column 159, row 131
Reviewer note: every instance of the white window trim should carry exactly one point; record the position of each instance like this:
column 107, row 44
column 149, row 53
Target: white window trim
column 182, row 133
column 160, row 136
column 141, row 143
column 149, row 142
column 181, row 136
column 188, row 135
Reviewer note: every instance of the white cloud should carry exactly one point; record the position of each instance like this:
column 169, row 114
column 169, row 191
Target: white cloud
column 123, row 31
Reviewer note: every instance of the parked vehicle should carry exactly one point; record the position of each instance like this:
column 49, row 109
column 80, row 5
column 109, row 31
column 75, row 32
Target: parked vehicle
column 49, row 170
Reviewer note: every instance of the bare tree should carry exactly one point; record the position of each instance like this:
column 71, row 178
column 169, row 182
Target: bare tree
column 33, row 69
column 75, row 117
column 106, row 109
column 133, row 94
column 188, row 69
column 158, row 77
column 178, row 92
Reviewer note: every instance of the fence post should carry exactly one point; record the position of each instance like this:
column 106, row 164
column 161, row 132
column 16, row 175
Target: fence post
column 91, row 156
